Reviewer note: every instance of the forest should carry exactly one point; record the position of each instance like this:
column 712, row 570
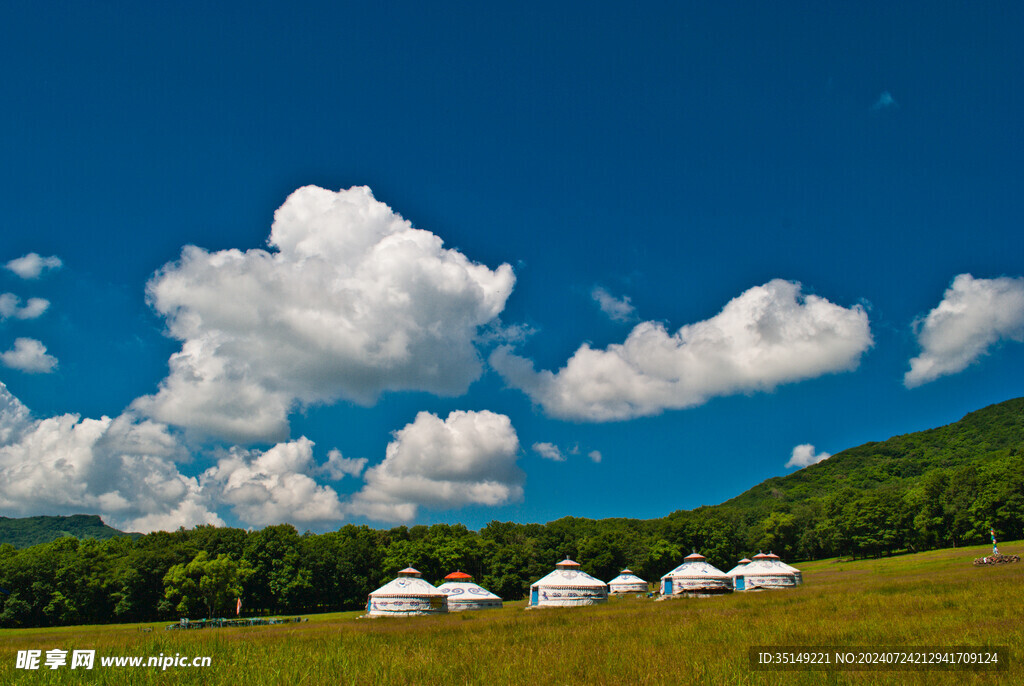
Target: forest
column 940, row 488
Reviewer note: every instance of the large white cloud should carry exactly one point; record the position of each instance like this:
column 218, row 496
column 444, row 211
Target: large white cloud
column 30, row 356
column 32, row 265
column 273, row 486
column 351, row 301
column 15, row 418
column 468, row 458
column 768, row 335
column 122, row 468
column 126, row 470
column 974, row 315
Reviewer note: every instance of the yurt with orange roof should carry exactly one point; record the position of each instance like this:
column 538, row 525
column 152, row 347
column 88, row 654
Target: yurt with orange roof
column 406, row 595
column 463, row 594
column 766, row 572
column 568, row 586
column 627, row 582
column 695, row 577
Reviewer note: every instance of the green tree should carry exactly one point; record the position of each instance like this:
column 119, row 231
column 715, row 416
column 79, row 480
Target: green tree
column 205, row 584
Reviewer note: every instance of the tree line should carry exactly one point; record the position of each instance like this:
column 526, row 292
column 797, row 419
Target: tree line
column 205, row 571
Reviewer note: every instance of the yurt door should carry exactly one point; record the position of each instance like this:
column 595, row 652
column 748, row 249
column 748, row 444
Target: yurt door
column 739, row 583
column 534, row 596
column 668, row 586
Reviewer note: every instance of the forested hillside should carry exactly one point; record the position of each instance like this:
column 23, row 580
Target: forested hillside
column 26, row 531
column 938, row 488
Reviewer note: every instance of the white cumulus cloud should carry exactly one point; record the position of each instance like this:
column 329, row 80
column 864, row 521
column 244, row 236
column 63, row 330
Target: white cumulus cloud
column 974, row 315
column 15, row 418
column 617, row 309
column 31, row 266
column 29, row 355
column 595, row 456
column 10, row 306
column 123, row 468
column 349, row 302
column 549, row 451
column 467, row 458
column 273, row 486
column 768, row 335
column 803, row 456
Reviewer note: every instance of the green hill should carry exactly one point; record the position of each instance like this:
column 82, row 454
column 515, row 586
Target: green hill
column 941, row 487
column 28, row 531
column 983, row 436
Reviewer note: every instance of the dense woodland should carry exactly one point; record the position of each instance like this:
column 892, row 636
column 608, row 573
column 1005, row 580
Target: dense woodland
column 940, row 488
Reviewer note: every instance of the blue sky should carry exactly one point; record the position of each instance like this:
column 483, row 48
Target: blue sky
column 740, row 223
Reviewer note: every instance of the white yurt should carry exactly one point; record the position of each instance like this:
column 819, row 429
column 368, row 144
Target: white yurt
column 463, row 594
column 737, row 569
column 627, row 582
column 695, row 577
column 766, row 572
column 406, row 595
column 568, row 586
column 782, row 565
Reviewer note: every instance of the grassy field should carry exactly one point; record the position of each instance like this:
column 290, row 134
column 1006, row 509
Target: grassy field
column 929, row 599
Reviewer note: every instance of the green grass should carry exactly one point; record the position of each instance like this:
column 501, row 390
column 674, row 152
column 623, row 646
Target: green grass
column 928, row 599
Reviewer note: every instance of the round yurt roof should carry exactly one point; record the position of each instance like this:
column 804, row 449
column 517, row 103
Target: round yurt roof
column 627, row 577
column 461, row 590
column 568, row 574
column 696, row 566
column 741, row 565
column 409, row 583
column 777, row 561
column 458, row 576
column 767, row 567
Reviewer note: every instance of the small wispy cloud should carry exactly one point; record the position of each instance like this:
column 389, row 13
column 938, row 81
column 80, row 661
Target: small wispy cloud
column 549, row 451
column 803, row 456
column 32, row 265
column 595, row 456
column 496, row 332
column 617, row 309
column 885, row 101
column 10, row 306
column 338, row 467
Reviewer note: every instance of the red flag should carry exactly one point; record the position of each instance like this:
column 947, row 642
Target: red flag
column 238, row 607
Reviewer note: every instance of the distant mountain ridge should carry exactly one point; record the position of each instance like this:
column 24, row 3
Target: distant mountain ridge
column 24, row 532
